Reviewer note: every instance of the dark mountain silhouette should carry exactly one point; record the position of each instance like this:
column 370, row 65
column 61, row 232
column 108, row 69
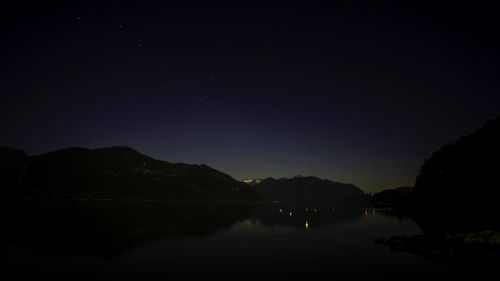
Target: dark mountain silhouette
column 398, row 198
column 309, row 189
column 11, row 168
column 458, row 187
column 9, row 156
column 114, row 173
column 464, row 174
column 455, row 202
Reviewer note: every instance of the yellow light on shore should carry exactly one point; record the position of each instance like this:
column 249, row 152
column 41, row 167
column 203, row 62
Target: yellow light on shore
column 306, row 225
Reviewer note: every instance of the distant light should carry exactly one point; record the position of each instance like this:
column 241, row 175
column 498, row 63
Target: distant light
column 306, row 225
column 252, row 181
column 280, row 210
column 290, row 214
column 315, row 210
column 307, row 209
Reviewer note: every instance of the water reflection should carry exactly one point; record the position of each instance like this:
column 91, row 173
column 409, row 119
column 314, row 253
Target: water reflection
column 110, row 228
column 140, row 240
column 469, row 243
column 303, row 218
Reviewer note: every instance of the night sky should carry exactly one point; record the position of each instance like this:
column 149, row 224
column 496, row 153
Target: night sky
column 356, row 92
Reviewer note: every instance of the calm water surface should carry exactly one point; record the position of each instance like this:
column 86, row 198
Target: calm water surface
column 153, row 240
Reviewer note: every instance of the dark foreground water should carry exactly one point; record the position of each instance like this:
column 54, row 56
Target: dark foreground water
column 163, row 241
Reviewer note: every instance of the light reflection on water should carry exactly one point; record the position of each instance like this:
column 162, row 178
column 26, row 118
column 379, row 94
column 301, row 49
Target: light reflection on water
column 149, row 240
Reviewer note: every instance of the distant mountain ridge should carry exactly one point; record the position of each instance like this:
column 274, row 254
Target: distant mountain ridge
column 113, row 173
column 398, row 198
column 310, row 189
column 123, row 173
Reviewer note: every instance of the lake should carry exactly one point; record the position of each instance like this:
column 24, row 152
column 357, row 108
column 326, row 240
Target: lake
column 166, row 241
